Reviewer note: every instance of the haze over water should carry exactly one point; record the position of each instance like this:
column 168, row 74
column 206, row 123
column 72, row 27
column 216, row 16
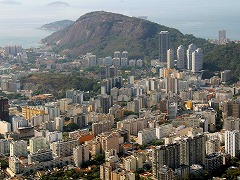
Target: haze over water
column 19, row 23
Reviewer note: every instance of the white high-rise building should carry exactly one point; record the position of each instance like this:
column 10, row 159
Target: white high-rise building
column 180, row 57
column 4, row 146
column 5, row 127
column 53, row 136
column 75, row 95
column 190, row 50
column 124, row 61
column 64, row 148
column 130, row 163
column 108, row 61
column 92, row 60
column 80, row 154
column 59, row 122
column 222, row 38
column 212, row 146
column 117, row 54
column 14, row 164
column 37, row 144
column 19, row 121
column 130, row 79
column 124, row 54
column 18, row 148
column 197, row 60
column 52, row 109
column 170, row 58
column 146, row 136
column 232, row 142
column 163, row 130
column 116, row 62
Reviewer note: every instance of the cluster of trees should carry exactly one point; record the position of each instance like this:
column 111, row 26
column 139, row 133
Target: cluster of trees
column 93, row 174
column 70, row 127
column 97, row 160
column 127, row 113
column 223, row 57
column 85, row 174
column 58, row 83
column 14, row 96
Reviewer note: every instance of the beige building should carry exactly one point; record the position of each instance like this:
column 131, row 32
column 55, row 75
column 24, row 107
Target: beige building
column 109, row 141
column 101, row 127
column 212, row 146
column 5, row 127
column 14, row 164
column 80, row 155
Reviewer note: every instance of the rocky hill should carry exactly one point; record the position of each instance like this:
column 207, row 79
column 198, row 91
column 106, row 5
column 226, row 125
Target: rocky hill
column 104, row 32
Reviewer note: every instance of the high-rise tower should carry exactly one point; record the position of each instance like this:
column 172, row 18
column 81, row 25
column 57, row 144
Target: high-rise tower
column 197, row 60
column 222, row 36
column 180, row 57
column 4, row 109
column 164, row 43
column 170, row 59
column 191, row 49
column 104, row 74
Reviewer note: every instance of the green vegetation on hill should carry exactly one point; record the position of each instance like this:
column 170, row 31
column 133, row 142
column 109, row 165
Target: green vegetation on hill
column 58, row 83
column 224, row 57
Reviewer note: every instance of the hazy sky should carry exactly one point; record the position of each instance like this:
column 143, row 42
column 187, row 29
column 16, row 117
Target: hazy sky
column 202, row 18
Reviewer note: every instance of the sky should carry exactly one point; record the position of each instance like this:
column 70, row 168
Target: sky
column 203, row 18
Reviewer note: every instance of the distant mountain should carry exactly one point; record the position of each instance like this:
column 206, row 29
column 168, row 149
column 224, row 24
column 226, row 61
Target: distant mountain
column 57, row 25
column 10, row 2
column 104, row 32
column 58, row 4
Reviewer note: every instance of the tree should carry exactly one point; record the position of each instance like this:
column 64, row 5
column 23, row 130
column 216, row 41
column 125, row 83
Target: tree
column 70, row 127
column 99, row 158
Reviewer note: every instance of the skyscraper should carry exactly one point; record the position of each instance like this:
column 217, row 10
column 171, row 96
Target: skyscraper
column 232, row 139
column 80, row 155
column 222, row 36
column 164, row 43
column 168, row 155
column 197, row 60
column 104, row 72
column 124, row 55
column 191, row 49
column 105, row 102
column 117, row 54
column 4, row 109
column 180, row 57
column 170, row 59
column 113, row 71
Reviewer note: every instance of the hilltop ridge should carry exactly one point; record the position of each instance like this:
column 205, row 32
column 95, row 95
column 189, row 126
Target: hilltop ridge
column 104, row 32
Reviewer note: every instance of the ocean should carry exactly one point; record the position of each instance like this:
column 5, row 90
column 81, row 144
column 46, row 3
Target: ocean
column 19, row 23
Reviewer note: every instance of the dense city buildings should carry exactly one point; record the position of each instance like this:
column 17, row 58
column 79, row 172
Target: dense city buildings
column 119, row 117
